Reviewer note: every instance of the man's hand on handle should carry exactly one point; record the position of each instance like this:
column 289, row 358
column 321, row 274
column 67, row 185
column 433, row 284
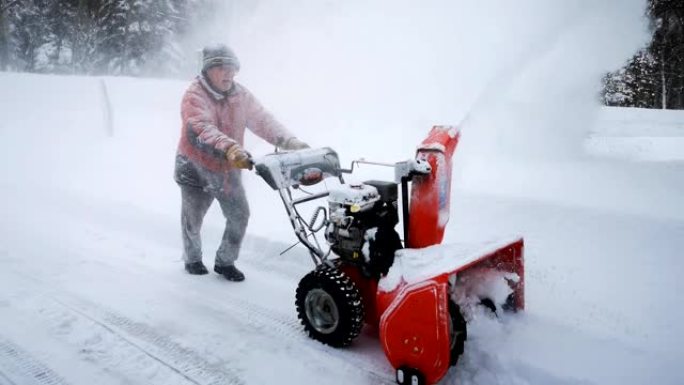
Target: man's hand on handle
column 238, row 157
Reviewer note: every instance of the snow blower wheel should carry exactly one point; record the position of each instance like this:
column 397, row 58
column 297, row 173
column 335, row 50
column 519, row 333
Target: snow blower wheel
column 458, row 333
column 329, row 306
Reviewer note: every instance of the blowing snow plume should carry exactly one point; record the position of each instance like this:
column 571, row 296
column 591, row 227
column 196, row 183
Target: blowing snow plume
column 526, row 74
column 541, row 103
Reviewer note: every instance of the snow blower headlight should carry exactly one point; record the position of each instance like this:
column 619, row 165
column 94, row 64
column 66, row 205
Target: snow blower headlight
column 310, row 176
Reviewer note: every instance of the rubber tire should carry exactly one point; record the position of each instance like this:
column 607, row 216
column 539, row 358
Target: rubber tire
column 346, row 297
column 458, row 325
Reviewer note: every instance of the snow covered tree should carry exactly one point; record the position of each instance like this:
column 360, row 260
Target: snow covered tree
column 58, row 16
column 24, row 33
column 633, row 85
column 149, row 35
column 5, row 6
column 654, row 77
column 668, row 49
column 130, row 37
column 616, row 91
column 110, row 38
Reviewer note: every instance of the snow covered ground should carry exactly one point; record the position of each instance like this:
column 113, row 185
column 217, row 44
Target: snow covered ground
column 638, row 134
column 92, row 289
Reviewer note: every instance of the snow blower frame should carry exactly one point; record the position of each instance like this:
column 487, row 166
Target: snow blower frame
column 369, row 275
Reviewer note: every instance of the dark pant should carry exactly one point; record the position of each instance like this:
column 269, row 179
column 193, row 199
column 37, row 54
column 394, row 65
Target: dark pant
column 194, row 206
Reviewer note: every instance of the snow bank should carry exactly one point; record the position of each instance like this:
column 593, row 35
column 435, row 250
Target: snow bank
column 55, row 131
column 630, row 155
column 638, row 134
column 642, row 122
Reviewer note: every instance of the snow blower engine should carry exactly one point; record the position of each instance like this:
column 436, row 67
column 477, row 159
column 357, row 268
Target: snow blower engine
column 416, row 292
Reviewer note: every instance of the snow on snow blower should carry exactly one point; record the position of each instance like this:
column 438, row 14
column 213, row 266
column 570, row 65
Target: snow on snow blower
column 416, row 292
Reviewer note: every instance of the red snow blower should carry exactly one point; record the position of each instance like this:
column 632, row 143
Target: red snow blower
column 416, row 292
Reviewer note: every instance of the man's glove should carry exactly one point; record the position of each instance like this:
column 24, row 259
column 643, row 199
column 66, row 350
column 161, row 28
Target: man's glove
column 293, row 144
column 238, row 157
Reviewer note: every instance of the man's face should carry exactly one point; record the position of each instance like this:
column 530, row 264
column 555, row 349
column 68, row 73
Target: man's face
column 221, row 76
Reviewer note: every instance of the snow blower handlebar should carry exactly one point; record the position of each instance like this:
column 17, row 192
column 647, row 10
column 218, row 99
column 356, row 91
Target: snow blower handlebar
column 286, row 170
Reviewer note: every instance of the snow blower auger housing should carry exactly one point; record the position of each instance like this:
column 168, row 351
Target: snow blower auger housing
column 416, row 292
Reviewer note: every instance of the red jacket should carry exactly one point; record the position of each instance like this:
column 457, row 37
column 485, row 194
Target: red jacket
column 213, row 121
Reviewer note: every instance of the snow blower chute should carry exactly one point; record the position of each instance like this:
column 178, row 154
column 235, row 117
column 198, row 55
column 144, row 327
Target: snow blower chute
column 416, row 291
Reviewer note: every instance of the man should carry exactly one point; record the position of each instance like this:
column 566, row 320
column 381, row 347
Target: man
column 215, row 112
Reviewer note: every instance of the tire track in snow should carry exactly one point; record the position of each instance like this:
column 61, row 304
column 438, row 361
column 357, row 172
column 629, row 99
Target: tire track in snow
column 290, row 327
column 277, row 325
column 180, row 360
column 17, row 367
column 263, row 319
column 266, row 321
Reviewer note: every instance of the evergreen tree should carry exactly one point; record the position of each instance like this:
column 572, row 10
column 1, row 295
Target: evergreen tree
column 119, row 37
column 151, row 28
column 26, row 34
column 668, row 49
column 110, row 38
column 59, row 17
column 5, row 21
column 654, row 77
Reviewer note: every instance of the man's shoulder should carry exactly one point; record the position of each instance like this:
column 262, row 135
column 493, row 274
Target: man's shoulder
column 194, row 87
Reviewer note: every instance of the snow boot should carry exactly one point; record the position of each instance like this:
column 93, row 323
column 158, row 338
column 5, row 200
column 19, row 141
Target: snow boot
column 196, row 268
column 230, row 272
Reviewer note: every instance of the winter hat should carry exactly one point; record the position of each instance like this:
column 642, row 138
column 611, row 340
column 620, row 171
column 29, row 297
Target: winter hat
column 218, row 54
